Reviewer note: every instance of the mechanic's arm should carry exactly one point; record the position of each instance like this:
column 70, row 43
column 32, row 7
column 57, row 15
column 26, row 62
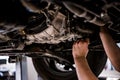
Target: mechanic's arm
column 111, row 49
column 79, row 51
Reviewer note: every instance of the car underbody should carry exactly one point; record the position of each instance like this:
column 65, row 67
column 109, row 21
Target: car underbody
column 46, row 30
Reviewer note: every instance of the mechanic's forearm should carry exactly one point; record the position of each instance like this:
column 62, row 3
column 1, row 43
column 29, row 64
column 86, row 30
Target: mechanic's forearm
column 83, row 70
column 111, row 49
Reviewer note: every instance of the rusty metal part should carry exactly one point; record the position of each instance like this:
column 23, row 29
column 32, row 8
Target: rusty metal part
column 81, row 11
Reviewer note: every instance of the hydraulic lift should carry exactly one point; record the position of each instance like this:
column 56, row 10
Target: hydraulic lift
column 24, row 66
column 25, row 69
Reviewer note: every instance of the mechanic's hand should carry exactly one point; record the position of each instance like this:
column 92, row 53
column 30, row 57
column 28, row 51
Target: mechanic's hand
column 80, row 48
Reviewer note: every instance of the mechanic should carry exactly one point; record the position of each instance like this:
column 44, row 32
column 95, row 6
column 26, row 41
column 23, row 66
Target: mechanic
column 80, row 50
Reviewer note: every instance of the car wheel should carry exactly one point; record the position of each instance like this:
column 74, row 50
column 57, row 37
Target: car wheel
column 50, row 68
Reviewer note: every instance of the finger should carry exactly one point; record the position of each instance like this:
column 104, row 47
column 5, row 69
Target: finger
column 77, row 41
column 74, row 46
column 87, row 40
